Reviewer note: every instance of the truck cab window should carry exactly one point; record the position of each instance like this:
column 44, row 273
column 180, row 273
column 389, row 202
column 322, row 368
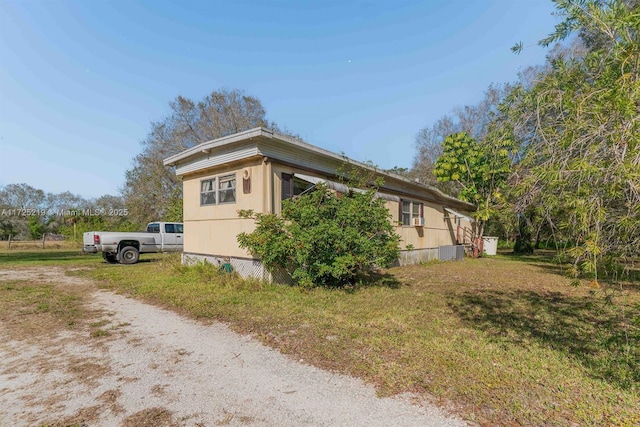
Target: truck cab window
column 169, row 228
column 153, row 228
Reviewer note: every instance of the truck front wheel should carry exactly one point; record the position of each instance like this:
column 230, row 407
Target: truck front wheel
column 129, row 255
column 110, row 257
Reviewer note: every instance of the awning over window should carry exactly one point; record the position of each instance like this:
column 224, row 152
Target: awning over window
column 459, row 215
column 331, row 184
column 341, row 188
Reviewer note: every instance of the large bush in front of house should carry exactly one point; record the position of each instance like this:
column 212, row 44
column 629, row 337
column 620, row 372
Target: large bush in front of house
column 325, row 239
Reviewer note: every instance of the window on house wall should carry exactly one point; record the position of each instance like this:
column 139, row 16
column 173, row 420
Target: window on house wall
column 410, row 209
column 227, row 189
column 218, row 190
column 293, row 186
column 405, row 215
column 416, row 210
column 208, row 192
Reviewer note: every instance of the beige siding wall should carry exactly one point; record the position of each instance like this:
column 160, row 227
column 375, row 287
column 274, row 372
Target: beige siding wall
column 216, row 237
column 436, row 230
column 213, row 229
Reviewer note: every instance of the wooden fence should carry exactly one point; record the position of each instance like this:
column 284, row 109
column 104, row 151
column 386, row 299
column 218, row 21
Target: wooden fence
column 46, row 242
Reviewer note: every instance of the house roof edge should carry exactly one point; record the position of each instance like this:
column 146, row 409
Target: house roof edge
column 207, row 146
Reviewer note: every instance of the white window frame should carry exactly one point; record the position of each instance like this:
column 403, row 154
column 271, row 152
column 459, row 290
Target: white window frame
column 217, row 191
column 224, row 180
column 410, row 213
column 211, row 190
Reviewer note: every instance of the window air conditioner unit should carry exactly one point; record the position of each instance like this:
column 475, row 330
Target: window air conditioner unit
column 418, row 222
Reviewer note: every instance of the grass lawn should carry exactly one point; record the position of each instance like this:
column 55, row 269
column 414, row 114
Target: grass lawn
column 501, row 340
column 32, row 253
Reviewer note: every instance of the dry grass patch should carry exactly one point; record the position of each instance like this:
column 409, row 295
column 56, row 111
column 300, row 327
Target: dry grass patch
column 152, row 417
column 30, row 309
column 87, row 370
column 83, row 417
column 230, row 417
column 42, row 302
column 110, row 399
column 34, row 245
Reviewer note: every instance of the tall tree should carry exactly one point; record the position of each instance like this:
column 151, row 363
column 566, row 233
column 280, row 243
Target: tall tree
column 480, row 168
column 429, row 147
column 22, row 196
column 22, row 205
column 582, row 159
column 151, row 190
column 474, row 120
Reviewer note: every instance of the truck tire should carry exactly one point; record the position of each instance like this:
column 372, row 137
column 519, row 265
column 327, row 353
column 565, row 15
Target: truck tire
column 129, row 255
column 110, row 257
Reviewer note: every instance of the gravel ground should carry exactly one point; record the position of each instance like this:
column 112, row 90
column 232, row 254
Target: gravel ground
column 158, row 368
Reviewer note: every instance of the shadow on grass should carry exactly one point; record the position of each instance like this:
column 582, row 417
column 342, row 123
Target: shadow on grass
column 603, row 337
column 542, row 258
column 362, row 281
column 628, row 275
column 366, row 281
column 539, row 256
column 145, row 260
column 627, row 272
column 378, row 279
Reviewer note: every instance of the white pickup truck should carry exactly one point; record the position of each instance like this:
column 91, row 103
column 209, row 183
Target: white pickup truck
column 126, row 247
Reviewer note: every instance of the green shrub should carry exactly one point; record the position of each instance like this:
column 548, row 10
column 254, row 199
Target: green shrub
column 325, row 239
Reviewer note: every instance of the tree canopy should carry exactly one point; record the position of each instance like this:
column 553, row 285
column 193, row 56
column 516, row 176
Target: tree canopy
column 152, row 191
column 474, row 120
column 562, row 141
column 582, row 158
column 479, row 168
column 27, row 213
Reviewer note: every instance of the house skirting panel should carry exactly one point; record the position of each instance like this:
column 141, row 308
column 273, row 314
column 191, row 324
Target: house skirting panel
column 451, row 253
column 417, row 256
column 247, row 267
column 442, row 253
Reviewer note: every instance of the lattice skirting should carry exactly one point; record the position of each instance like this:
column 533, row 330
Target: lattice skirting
column 246, row 268
column 253, row 267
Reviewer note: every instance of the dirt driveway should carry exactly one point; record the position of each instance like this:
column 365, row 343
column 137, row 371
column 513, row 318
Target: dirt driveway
column 134, row 364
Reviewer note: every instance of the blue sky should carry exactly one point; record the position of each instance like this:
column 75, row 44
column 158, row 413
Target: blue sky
column 81, row 81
